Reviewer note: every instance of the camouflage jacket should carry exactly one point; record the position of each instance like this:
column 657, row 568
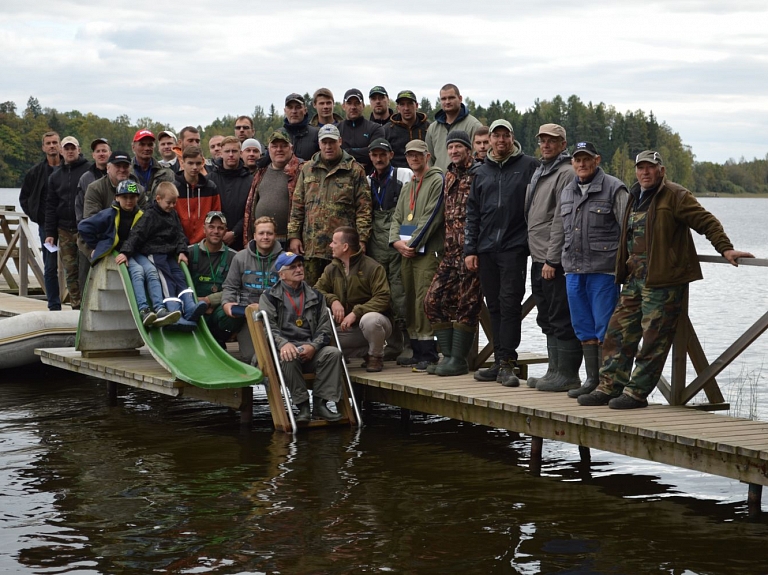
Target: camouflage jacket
column 325, row 199
column 458, row 182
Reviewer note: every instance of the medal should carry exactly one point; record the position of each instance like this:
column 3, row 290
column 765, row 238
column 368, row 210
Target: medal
column 299, row 322
column 410, row 217
column 214, row 289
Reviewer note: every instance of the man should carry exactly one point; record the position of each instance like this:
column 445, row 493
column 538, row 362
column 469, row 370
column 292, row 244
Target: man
column 356, row 132
column 32, row 198
column 481, row 143
column 272, row 187
column 214, row 147
column 323, row 102
column 296, row 123
column 198, row 195
column 145, row 170
column 386, row 182
column 243, row 128
column 301, row 326
column 233, row 182
column 418, row 233
column 100, row 194
column 355, row 286
column 209, row 263
column 453, row 301
column 547, row 276
column 495, row 244
column 331, row 192
column 189, row 136
column 166, row 142
column 100, row 152
column 408, row 124
column 380, row 110
column 453, row 115
column 250, row 150
column 656, row 261
column 60, row 221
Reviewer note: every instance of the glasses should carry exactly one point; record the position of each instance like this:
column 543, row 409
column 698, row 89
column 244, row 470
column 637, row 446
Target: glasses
column 242, row 127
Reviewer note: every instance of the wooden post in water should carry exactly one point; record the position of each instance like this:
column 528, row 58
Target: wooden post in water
column 537, row 447
column 584, row 454
column 754, row 496
column 112, row 393
column 246, row 407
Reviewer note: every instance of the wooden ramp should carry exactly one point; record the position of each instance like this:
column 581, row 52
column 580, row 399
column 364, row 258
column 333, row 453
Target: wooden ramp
column 674, row 435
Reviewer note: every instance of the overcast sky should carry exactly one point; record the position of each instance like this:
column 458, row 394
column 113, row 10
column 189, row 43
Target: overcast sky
column 700, row 66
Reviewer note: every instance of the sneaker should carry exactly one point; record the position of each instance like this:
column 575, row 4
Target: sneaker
column 625, row 401
column 148, row 317
column 165, row 317
column 374, row 364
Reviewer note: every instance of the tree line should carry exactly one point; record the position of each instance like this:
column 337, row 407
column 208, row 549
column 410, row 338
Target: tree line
column 619, row 137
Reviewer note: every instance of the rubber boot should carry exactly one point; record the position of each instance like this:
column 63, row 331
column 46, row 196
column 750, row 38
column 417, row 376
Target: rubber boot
column 463, row 338
column 304, row 413
column 444, row 334
column 569, row 356
column 193, row 310
column 412, row 359
column 173, row 304
column 320, row 409
column 593, row 358
column 395, row 344
column 552, row 367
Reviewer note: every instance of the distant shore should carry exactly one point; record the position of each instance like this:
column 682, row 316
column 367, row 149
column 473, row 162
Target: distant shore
column 731, row 195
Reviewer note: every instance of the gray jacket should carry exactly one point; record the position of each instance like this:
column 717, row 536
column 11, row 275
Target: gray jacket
column 250, row 275
column 591, row 224
column 315, row 312
column 540, row 202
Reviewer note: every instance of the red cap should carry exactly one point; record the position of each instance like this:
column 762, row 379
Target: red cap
column 141, row 134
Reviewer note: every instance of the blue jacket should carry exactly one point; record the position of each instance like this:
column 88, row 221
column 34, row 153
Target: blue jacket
column 99, row 232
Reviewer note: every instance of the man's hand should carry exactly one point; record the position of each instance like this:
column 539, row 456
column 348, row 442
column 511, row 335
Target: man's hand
column 296, row 246
column 228, row 238
column 50, row 241
column 338, row 311
column 404, row 250
column 183, row 258
column 120, row 259
column 547, row 272
column 733, row 255
column 307, row 352
column 471, row 263
column 227, row 307
column 348, row 322
column 289, row 352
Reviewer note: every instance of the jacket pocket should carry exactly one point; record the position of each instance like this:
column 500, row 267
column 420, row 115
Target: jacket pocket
column 601, row 216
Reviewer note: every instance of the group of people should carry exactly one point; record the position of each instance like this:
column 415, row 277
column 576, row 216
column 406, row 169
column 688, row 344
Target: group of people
column 403, row 228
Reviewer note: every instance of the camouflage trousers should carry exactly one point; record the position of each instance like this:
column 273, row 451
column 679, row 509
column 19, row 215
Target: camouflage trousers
column 649, row 314
column 70, row 259
column 313, row 269
column 454, row 294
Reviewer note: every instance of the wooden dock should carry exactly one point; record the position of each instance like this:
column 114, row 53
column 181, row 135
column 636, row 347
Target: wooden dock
column 12, row 305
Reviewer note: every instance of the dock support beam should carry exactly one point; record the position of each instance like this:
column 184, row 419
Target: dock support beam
column 537, row 447
column 246, row 407
column 111, row 393
column 754, row 496
column 584, row 454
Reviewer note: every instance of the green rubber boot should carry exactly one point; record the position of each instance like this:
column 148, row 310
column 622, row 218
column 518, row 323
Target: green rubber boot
column 444, row 334
column 552, row 367
column 593, row 358
column 463, row 338
column 569, row 356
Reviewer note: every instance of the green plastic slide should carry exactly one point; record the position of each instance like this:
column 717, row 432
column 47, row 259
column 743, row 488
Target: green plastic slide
column 194, row 357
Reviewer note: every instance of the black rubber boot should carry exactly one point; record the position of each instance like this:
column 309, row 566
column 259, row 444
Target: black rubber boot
column 552, row 367
column 444, row 334
column 593, row 358
column 320, row 409
column 569, row 356
column 304, row 413
column 463, row 338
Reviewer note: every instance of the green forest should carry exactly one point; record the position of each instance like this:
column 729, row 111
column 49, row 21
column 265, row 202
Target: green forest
column 618, row 137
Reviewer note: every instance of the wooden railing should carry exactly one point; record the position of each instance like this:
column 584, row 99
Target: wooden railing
column 18, row 245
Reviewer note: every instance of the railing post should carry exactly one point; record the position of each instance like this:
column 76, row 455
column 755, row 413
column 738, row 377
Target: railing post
column 23, row 270
column 680, row 355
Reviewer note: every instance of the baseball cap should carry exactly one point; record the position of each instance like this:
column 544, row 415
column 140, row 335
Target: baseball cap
column 587, row 148
column 552, row 130
column 98, row 141
column 380, row 144
column 501, row 124
column 294, row 97
column 406, row 95
column 416, row 146
column 210, row 216
column 127, row 187
column 353, row 93
column 251, row 143
column 70, row 140
column 119, row 158
column 328, row 131
column 649, row 156
column 279, row 134
column 141, row 134
column 167, row 133
column 286, row 259
column 378, row 90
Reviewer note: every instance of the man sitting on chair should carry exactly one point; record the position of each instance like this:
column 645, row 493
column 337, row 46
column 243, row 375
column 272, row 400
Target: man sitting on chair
column 301, row 326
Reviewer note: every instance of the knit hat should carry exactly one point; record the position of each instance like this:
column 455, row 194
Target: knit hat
column 459, row 136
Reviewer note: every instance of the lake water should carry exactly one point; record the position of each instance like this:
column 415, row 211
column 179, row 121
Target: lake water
column 157, row 485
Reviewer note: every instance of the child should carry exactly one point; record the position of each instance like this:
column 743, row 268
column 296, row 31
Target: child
column 106, row 231
column 197, row 195
column 158, row 234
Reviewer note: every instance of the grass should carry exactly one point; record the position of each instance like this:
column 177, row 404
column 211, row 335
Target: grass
column 743, row 393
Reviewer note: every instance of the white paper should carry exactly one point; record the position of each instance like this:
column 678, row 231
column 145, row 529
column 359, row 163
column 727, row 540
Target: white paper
column 51, row 248
column 407, row 238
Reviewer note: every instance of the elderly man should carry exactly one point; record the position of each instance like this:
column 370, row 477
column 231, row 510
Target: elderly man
column 296, row 123
column 243, row 128
column 145, row 169
column 233, row 182
column 496, row 244
column 408, row 124
column 418, row 233
column 331, row 192
column 356, row 132
column 356, row 288
column 100, row 194
column 453, row 115
column 380, row 110
column 301, row 326
column 547, row 276
column 656, row 261
column 251, row 152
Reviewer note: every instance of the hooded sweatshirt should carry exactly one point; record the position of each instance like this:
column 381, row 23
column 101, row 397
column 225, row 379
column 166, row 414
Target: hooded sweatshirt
column 194, row 203
column 250, row 274
column 437, row 134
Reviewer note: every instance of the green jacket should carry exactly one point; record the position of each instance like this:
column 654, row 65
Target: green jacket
column 672, row 214
column 365, row 289
column 325, row 199
column 428, row 217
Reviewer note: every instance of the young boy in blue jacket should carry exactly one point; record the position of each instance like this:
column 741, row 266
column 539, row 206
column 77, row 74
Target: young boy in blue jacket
column 107, row 231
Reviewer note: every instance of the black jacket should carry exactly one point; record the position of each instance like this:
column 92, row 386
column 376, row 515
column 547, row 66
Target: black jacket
column 34, row 191
column 356, row 135
column 304, row 138
column 398, row 134
column 62, row 192
column 156, row 232
column 233, row 187
column 496, row 205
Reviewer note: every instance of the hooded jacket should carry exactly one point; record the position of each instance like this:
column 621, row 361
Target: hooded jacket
column 363, row 290
column 398, row 134
column 62, row 191
column 100, row 231
column 156, row 232
column 356, row 136
column 496, row 204
column 232, row 186
column 250, row 274
column 304, row 138
column 437, row 134
column 194, row 203
column 34, row 190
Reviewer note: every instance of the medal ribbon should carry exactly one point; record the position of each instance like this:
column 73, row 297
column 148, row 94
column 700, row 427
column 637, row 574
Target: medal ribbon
column 299, row 311
column 381, row 187
column 415, row 197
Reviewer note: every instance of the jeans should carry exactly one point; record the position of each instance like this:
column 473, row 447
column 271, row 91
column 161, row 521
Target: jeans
column 50, row 273
column 143, row 272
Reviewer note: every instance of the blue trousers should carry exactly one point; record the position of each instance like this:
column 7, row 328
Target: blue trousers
column 592, row 299
column 50, row 273
column 143, row 273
